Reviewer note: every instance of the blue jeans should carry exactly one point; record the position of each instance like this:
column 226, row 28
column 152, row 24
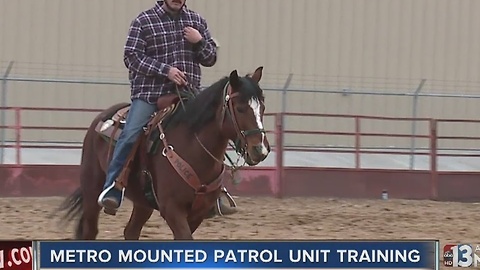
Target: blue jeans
column 138, row 116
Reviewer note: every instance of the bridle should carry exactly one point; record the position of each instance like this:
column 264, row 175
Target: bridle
column 240, row 144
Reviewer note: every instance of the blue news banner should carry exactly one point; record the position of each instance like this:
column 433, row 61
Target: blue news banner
column 238, row 254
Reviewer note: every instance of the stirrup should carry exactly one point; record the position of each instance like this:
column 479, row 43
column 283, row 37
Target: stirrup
column 230, row 199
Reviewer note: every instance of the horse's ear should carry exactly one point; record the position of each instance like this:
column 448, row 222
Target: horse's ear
column 257, row 75
column 234, row 79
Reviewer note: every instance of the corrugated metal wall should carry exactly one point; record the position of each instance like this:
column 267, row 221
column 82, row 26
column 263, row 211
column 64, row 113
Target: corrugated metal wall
column 370, row 45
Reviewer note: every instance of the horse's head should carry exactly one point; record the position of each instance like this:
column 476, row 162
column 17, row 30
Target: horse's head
column 244, row 102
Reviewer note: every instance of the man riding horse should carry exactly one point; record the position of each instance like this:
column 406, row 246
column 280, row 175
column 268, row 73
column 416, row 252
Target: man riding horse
column 165, row 47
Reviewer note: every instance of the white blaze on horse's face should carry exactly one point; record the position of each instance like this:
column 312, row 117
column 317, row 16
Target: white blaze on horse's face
column 256, row 107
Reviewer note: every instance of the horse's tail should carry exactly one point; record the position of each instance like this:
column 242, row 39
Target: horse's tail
column 72, row 207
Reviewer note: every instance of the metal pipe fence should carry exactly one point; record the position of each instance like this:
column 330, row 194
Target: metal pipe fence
column 415, row 103
column 359, row 154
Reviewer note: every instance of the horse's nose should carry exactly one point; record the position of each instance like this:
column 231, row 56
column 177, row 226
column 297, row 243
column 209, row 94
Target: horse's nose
column 262, row 150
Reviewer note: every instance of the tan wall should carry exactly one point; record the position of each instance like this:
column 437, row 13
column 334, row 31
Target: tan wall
column 361, row 45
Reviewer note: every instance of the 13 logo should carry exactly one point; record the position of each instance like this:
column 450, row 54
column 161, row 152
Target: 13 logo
column 460, row 256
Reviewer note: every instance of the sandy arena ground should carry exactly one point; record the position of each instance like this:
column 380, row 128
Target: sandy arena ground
column 270, row 218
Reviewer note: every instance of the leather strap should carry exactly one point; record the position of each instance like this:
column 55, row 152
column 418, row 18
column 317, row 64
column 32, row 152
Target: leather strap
column 184, row 169
column 110, row 142
column 122, row 179
column 180, row 165
column 199, row 201
column 116, row 125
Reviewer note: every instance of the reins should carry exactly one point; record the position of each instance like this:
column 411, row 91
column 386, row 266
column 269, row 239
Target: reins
column 227, row 104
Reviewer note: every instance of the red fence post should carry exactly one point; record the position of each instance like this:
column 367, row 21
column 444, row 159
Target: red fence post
column 18, row 128
column 433, row 159
column 357, row 142
column 279, row 154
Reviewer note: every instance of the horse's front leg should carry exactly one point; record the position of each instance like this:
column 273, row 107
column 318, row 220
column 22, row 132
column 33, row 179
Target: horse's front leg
column 176, row 218
column 194, row 224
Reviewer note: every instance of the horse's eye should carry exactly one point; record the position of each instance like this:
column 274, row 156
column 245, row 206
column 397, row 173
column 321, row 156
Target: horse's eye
column 241, row 109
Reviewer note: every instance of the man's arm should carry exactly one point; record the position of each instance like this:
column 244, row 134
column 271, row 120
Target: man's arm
column 135, row 58
column 206, row 49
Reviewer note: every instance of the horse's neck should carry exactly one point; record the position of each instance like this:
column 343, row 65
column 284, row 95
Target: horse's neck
column 212, row 139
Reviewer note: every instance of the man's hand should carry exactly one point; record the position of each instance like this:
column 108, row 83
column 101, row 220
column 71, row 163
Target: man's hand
column 192, row 35
column 176, row 76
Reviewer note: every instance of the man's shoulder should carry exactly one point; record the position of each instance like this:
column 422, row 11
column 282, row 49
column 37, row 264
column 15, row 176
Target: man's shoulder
column 194, row 15
column 147, row 14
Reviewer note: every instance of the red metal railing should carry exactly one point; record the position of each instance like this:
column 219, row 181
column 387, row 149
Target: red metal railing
column 279, row 130
column 357, row 133
column 18, row 127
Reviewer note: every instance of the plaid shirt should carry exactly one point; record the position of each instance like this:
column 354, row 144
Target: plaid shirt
column 155, row 43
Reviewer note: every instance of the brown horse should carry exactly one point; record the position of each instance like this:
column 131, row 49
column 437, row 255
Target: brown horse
column 184, row 178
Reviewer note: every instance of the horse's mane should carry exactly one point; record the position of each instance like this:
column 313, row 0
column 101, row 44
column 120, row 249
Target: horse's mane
column 201, row 109
column 198, row 110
